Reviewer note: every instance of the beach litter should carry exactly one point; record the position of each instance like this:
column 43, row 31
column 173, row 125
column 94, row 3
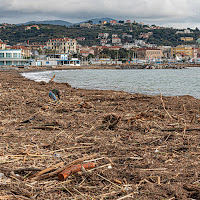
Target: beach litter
column 109, row 144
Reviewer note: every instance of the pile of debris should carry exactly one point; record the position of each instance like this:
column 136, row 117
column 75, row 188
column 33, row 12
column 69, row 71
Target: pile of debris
column 96, row 144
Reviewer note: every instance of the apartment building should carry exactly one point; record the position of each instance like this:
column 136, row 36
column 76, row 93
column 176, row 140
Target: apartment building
column 25, row 51
column 149, row 53
column 62, row 45
column 185, row 51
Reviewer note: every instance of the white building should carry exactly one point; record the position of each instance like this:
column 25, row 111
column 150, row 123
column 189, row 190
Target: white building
column 12, row 57
column 55, row 60
column 103, row 35
column 139, row 42
column 116, row 40
column 185, row 31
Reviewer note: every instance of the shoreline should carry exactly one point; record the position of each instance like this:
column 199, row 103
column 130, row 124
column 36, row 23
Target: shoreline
column 150, row 143
column 154, row 93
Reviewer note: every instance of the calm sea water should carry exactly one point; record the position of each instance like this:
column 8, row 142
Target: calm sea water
column 171, row 82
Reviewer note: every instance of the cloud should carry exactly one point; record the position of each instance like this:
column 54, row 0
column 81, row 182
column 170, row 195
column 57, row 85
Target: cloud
column 149, row 11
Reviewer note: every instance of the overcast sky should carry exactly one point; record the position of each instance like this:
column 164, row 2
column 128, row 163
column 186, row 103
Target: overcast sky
column 169, row 13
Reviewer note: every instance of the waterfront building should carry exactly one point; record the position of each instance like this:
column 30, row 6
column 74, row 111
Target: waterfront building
column 62, row 45
column 187, row 52
column 12, row 57
column 25, row 51
column 147, row 53
column 53, row 60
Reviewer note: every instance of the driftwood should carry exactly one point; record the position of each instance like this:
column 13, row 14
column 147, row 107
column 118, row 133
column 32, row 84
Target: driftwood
column 47, row 170
column 135, row 150
column 56, row 172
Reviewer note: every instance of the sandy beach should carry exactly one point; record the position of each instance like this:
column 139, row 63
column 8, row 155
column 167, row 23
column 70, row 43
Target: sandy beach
column 144, row 147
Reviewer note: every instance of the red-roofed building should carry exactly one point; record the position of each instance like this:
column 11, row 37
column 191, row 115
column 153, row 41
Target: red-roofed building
column 85, row 53
column 25, row 51
column 116, row 40
column 115, row 48
column 128, row 21
column 113, row 22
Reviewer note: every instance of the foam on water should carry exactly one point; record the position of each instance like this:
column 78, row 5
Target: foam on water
column 38, row 76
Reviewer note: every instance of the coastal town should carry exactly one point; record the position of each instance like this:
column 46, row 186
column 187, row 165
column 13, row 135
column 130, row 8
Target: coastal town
column 111, row 48
column 93, row 144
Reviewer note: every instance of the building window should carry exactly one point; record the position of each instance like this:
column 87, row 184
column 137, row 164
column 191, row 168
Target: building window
column 8, row 55
column 15, row 62
column 1, row 62
column 15, row 55
column 8, row 62
column 1, row 55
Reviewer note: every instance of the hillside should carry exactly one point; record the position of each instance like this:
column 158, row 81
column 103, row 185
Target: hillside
column 13, row 34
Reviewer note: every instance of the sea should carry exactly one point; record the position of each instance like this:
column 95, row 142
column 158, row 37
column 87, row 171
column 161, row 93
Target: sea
column 170, row 82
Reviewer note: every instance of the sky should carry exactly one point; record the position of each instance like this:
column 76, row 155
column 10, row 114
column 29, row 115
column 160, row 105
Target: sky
column 167, row 13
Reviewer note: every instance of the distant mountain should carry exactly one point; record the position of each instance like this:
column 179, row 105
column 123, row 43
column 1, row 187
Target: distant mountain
column 53, row 22
column 96, row 21
column 65, row 23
